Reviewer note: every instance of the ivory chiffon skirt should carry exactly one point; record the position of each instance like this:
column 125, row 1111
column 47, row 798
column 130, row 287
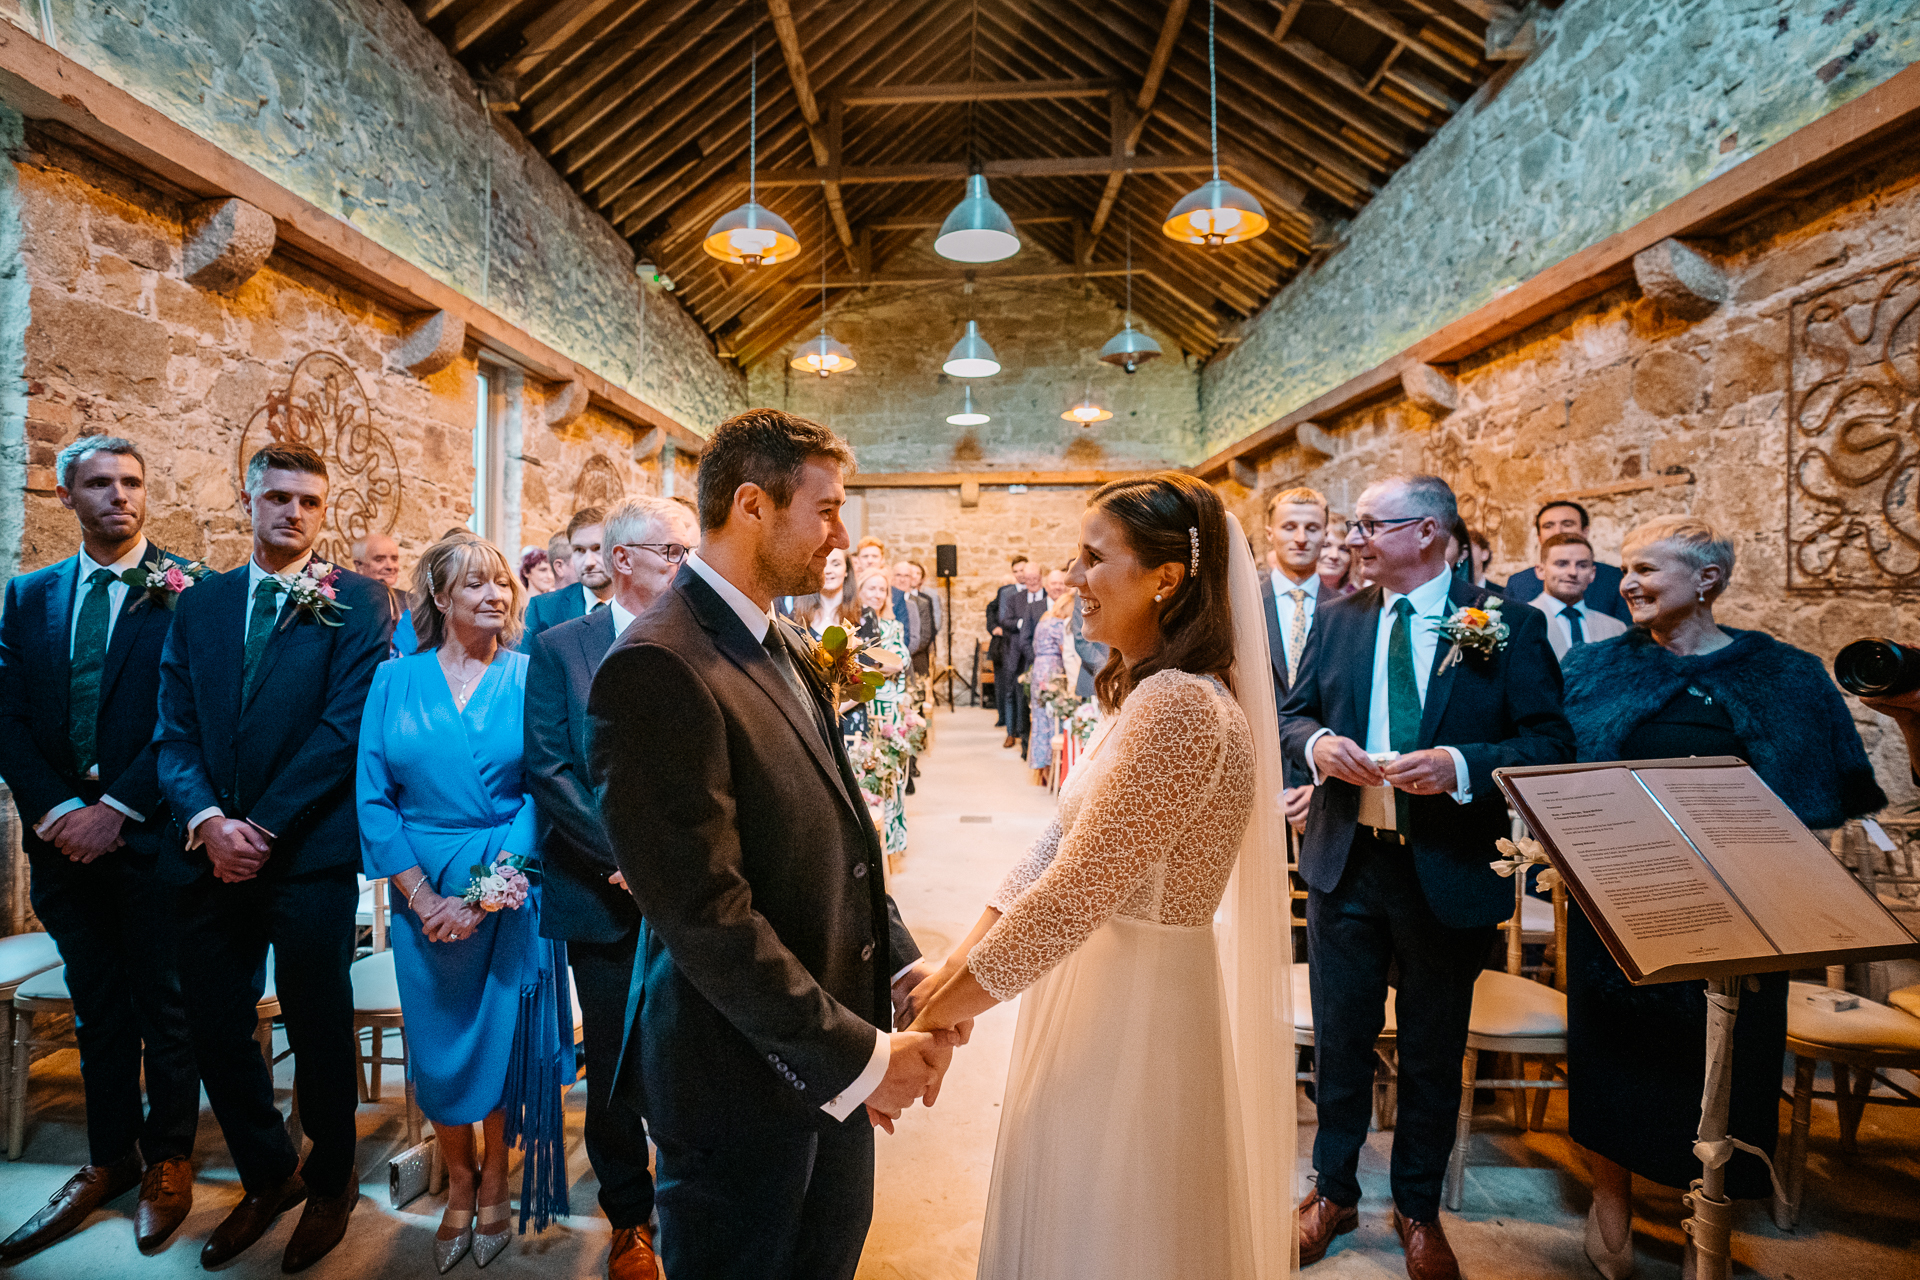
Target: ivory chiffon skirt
column 1119, row 1155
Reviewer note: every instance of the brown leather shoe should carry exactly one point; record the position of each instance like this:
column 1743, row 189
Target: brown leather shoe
column 1320, row 1221
column 68, row 1207
column 166, row 1197
column 249, row 1220
column 1009, row 742
column 632, row 1257
column 323, row 1224
column 1429, row 1256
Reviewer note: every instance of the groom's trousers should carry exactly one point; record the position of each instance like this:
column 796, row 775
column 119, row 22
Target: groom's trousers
column 1374, row 922
column 785, row 1204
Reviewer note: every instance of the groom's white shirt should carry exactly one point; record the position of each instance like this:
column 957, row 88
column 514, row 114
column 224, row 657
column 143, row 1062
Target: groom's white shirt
column 758, row 621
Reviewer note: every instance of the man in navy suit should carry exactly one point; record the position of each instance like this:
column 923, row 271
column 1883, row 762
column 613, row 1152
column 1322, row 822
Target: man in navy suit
column 79, row 681
column 1020, row 619
column 584, row 900
column 1603, row 593
column 1403, row 735
column 997, row 647
column 593, row 587
column 261, row 689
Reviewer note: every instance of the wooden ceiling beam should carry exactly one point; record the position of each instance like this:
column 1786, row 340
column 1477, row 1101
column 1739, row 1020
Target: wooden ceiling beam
column 478, row 23
column 1288, row 13
column 1473, row 39
column 671, row 78
column 1399, row 32
column 789, row 37
column 900, row 95
column 1341, row 74
column 550, row 33
column 952, row 170
column 1245, row 37
column 1143, row 101
column 573, row 106
column 1020, row 219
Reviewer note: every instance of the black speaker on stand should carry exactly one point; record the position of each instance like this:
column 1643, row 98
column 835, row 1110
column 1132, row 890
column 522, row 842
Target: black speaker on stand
column 946, row 567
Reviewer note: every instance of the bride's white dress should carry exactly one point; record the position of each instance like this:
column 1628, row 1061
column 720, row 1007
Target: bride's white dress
column 1120, row 1150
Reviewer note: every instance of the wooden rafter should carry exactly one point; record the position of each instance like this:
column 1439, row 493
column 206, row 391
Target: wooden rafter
column 1142, row 108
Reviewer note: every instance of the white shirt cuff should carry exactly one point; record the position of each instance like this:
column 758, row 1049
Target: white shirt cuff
column 193, row 824
column 111, row 803
column 56, row 813
column 866, row 1082
column 1462, row 780
column 1311, row 765
column 905, row 969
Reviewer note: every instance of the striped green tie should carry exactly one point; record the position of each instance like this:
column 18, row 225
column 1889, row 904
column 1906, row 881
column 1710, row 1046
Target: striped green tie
column 266, row 608
column 89, row 658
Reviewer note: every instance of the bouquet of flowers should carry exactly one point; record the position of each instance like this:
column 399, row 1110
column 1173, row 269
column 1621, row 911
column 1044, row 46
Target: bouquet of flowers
column 163, row 581
column 836, row 664
column 501, row 887
column 916, row 726
column 1083, row 723
column 1059, row 699
column 879, row 757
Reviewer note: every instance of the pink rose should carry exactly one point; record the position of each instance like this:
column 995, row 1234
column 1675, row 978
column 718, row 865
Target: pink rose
column 176, row 580
column 326, row 590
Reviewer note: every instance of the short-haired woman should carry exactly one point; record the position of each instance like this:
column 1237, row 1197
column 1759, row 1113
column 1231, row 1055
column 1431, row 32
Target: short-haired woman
column 1679, row 684
column 441, row 792
column 536, row 575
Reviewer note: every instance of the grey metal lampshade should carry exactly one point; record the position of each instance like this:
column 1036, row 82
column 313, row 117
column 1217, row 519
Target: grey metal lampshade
column 971, row 357
column 978, row 229
column 968, row 415
column 1129, row 349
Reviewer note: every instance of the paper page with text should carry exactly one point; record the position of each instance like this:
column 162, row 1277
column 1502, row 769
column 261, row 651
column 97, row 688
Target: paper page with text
column 1651, row 889
column 1799, row 893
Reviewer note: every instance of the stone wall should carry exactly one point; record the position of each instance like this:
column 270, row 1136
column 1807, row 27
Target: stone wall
column 119, row 343
column 354, row 106
column 1042, row 522
column 1628, row 105
column 1787, row 418
column 893, row 405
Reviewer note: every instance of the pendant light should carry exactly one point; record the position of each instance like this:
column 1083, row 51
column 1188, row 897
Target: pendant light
column 978, row 229
column 1216, row 212
column 971, row 357
column 751, row 235
column 1129, row 348
column 823, row 355
column 968, row 415
column 1088, row 411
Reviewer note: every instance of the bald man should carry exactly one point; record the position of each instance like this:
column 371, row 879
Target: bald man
column 378, row 557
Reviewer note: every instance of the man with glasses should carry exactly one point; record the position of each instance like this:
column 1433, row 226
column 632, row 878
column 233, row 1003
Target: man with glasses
column 1402, row 736
column 585, row 902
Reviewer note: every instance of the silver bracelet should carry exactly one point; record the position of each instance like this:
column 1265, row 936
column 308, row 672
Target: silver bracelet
column 416, row 889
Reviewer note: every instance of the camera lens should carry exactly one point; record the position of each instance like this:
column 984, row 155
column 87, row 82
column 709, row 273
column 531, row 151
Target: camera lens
column 1877, row 668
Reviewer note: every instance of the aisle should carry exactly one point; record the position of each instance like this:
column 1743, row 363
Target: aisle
column 973, row 814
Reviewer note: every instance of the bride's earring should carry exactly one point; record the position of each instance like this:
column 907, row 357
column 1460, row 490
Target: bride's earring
column 1157, row 598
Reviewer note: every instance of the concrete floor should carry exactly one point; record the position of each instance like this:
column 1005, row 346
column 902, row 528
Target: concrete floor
column 1526, row 1193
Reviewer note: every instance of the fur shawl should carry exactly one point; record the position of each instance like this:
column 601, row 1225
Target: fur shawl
column 1800, row 736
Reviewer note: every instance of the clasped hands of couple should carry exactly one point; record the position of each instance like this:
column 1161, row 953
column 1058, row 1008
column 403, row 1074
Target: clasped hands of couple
column 919, row 1056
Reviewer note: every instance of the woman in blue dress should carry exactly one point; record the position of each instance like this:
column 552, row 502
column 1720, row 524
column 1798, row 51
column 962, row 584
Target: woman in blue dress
column 441, row 796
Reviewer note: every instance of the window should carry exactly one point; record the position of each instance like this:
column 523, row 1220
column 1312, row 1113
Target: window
column 489, row 455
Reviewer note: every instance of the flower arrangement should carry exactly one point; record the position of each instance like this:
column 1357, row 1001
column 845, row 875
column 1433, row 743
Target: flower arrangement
column 836, row 665
column 878, row 757
column 501, row 887
column 916, row 726
column 165, row 580
column 1085, row 720
column 1518, row 855
column 315, row 590
column 1059, row 699
column 1472, row 630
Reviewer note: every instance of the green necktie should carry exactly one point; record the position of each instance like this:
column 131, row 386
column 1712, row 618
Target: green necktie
column 1403, row 698
column 89, row 656
column 266, row 608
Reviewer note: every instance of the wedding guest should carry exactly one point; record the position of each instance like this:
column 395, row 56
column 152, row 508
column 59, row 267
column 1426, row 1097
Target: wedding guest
column 1395, row 854
column 889, row 705
column 262, row 683
column 584, row 899
column 1338, row 574
column 1570, row 517
column 536, row 575
column 377, row 556
column 833, row 605
column 1567, row 567
column 79, row 687
column 1019, row 619
column 1679, row 684
column 870, row 556
column 933, row 598
column 1050, row 639
column 921, row 620
column 441, row 791
column 1092, row 654
column 560, row 561
column 1297, row 527
column 1000, row 640
column 592, row 588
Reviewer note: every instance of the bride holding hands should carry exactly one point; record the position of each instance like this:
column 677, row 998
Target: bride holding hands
column 1148, row 1124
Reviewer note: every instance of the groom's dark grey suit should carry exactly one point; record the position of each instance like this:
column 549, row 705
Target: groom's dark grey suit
column 768, row 943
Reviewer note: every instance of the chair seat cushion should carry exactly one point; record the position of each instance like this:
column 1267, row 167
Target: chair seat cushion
column 1906, row 999
column 48, row 984
column 1536, row 915
column 376, row 989
column 25, row 954
column 1303, row 1004
column 1870, row 1026
column 1506, row 1005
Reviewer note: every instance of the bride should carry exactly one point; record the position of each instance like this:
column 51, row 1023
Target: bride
column 1148, row 1124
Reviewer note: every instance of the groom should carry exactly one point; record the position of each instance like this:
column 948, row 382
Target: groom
column 770, row 956
column 1396, row 851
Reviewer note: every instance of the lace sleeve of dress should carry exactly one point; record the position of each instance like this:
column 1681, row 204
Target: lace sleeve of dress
column 1028, row 869
column 1161, row 773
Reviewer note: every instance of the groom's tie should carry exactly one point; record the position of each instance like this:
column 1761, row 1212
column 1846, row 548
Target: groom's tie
column 777, row 650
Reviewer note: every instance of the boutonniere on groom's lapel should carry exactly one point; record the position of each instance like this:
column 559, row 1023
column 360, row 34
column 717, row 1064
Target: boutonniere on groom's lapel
column 314, row 591
column 1477, row 631
column 838, row 670
column 164, row 580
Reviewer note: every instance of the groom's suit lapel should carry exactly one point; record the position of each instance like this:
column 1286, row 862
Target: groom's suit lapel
column 737, row 645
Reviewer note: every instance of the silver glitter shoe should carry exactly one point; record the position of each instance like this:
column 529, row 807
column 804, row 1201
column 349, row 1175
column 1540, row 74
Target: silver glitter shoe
column 489, row 1245
column 448, row 1252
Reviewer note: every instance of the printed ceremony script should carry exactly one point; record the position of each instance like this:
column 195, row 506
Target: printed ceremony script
column 1695, row 868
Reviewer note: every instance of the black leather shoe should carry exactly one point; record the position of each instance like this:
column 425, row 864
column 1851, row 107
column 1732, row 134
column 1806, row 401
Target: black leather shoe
column 323, row 1224
column 249, row 1220
column 68, row 1207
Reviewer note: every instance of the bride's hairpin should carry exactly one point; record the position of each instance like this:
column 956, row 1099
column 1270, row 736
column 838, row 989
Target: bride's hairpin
column 1193, row 536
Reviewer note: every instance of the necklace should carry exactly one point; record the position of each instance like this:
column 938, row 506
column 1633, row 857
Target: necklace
column 463, row 690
